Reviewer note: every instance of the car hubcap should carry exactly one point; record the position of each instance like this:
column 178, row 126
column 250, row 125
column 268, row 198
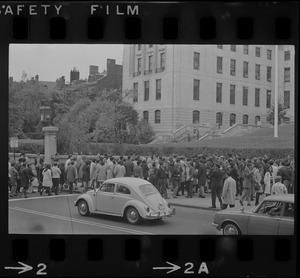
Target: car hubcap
column 231, row 230
column 83, row 207
column 132, row 215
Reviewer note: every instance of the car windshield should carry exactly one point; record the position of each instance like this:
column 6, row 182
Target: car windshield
column 148, row 189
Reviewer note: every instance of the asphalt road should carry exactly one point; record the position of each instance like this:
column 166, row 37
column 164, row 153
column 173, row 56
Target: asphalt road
column 57, row 215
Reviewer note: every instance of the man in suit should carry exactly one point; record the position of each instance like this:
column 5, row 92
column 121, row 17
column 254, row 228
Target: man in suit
column 216, row 185
column 162, row 176
column 229, row 191
column 71, row 173
column 129, row 167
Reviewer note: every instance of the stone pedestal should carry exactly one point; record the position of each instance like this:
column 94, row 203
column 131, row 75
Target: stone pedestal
column 50, row 142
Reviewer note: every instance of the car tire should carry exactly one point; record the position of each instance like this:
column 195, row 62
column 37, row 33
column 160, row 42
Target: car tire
column 132, row 215
column 83, row 208
column 231, row 229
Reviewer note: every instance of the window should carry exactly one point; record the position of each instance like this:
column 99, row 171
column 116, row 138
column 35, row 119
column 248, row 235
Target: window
column 139, row 47
column 257, row 92
column 233, row 47
column 162, row 60
column 139, row 65
column 287, row 55
column 232, row 94
column 257, row 51
column 150, row 65
column 232, row 118
column 268, row 100
column 146, row 95
column 157, row 117
column 135, row 92
column 150, row 45
column 269, row 54
column 272, row 208
column 269, row 72
column 245, row 119
column 287, row 73
column 245, row 96
column 257, row 120
column 289, row 210
column 196, row 117
column 196, row 91
column 257, row 72
column 196, row 60
column 286, row 99
column 246, row 49
column 219, row 93
column 146, row 116
column 158, row 89
column 121, row 189
column 220, row 46
column 219, row 64
column 232, row 67
column 107, row 187
column 219, row 118
column 245, row 69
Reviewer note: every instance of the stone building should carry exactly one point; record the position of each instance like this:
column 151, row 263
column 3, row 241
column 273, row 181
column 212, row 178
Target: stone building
column 177, row 85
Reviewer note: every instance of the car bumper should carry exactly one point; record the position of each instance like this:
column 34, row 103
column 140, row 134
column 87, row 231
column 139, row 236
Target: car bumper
column 160, row 215
column 217, row 226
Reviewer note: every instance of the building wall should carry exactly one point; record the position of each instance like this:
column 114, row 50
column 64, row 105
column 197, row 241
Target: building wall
column 177, row 104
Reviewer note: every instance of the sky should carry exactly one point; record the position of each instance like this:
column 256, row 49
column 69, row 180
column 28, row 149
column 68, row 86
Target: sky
column 51, row 61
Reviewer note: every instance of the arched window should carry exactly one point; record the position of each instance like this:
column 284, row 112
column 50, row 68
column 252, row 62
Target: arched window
column 219, row 118
column 245, row 119
column 232, row 119
column 157, row 117
column 146, row 116
column 257, row 120
column 196, row 117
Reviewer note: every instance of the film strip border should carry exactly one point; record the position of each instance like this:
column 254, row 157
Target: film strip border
column 156, row 256
column 191, row 22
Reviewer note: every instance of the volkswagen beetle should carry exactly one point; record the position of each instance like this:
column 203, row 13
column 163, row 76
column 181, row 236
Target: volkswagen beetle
column 131, row 198
column 273, row 216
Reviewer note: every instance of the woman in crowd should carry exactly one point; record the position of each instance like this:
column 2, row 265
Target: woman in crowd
column 269, row 180
column 47, row 180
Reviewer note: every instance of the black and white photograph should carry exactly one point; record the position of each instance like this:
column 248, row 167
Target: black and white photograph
column 151, row 139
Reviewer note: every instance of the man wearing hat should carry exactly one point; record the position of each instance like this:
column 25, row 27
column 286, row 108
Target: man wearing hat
column 278, row 188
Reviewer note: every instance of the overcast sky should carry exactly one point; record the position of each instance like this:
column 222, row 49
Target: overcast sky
column 51, row 61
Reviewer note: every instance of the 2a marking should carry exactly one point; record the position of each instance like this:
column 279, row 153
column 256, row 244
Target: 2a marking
column 190, row 266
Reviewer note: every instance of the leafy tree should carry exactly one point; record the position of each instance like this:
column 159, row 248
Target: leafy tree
column 145, row 132
column 281, row 112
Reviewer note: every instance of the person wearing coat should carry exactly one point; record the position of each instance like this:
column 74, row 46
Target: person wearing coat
column 138, row 171
column 269, row 180
column 120, row 170
column 25, row 179
column 47, row 180
column 189, row 179
column 229, row 191
column 202, row 175
column 86, row 175
column 216, row 185
column 72, row 176
column 101, row 174
column 247, row 184
column 257, row 181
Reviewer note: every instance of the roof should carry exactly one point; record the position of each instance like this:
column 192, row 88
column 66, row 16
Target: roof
column 135, row 182
column 281, row 198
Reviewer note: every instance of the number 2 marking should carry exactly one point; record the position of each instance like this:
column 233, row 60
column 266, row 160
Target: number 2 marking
column 188, row 270
column 40, row 271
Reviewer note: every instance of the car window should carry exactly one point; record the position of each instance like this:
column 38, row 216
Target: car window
column 289, row 210
column 270, row 208
column 107, row 187
column 148, row 189
column 121, row 189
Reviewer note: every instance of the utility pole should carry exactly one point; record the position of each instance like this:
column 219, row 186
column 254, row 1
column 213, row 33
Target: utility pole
column 276, row 94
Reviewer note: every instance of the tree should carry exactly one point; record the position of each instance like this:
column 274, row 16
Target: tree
column 145, row 132
column 281, row 112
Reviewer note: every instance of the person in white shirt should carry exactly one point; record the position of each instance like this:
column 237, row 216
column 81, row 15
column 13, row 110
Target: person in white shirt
column 55, row 177
column 278, row 188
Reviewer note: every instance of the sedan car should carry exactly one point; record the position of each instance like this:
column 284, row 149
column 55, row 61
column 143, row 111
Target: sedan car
column 132, row 198
column 273, row 216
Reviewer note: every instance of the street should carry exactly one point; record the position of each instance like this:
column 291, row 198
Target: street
column 58, row 215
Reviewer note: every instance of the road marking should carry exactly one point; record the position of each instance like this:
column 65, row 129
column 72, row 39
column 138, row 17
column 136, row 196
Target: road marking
column 120, row 229
column 42, row 197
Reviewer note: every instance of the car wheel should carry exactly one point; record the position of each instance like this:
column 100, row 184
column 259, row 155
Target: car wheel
column 231, row 229
column 132, row 215
column 83, row 208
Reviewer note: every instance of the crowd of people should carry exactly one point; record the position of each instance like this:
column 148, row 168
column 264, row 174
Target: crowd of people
column 226, row 177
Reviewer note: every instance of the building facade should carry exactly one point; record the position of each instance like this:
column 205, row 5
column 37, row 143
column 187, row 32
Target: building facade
column 176, row 85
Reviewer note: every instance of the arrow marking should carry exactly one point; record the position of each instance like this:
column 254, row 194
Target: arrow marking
column 173, row 267
column 23, row 268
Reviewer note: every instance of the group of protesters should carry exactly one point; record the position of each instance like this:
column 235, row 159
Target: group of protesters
column 226, row 177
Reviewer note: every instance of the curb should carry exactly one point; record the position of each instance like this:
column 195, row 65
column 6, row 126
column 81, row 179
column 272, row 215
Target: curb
column 191, row 206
